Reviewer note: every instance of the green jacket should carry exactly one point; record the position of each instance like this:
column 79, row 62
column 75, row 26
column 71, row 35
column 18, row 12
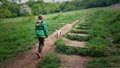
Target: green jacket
column 41, row 30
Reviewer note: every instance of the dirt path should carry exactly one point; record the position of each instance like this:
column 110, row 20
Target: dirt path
column 74, row 43
column 29, row 59
column 73, row 61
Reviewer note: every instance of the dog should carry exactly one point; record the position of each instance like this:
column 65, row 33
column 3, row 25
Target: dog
column 59, row 32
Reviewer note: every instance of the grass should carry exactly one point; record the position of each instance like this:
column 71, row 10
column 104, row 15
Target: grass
column 50, row 61
column 77, row 37
column 83, row 28
column 98, row 46
column 95, row 51
column 62, row 48
column 15, row 37
column 107, row 62
column 104, row 28
column 79, row 31
column 85, row 24
column 17, row 34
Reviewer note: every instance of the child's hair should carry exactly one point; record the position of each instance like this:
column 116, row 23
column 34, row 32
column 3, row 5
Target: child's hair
column 40, row 17
column 37, row 22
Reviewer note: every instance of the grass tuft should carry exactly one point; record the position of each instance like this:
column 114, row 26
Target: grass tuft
column 50, row 61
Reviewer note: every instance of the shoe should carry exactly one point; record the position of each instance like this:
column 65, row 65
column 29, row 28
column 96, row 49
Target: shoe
column 38, row 54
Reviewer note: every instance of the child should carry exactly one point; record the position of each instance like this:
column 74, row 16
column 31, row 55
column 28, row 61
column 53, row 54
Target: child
column 41, row 33
column 59, row 33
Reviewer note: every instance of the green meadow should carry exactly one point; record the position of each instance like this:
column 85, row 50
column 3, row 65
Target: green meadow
column 103, row 43
column 17, row 34
column 98, row 27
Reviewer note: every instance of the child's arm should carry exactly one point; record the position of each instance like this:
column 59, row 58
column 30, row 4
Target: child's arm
column 45, row 29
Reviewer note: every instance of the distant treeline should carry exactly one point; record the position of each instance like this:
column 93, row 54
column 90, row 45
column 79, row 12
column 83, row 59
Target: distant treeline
column 12, row 9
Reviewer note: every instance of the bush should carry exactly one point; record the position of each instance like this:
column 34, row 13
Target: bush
column 5, row 13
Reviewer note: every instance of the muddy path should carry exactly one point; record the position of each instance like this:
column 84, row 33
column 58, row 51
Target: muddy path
column 29, row 59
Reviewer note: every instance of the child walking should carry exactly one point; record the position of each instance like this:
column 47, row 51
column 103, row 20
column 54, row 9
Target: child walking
column 41, row 32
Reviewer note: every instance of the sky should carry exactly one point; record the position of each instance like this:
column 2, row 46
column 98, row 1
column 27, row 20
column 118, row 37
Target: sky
column 47, row 0
column 55, row 0
column 23, row 1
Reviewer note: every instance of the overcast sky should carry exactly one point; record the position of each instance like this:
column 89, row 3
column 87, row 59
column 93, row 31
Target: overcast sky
column 48, row 0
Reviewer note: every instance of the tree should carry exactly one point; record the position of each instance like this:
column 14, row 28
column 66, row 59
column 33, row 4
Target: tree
column 37, row 8
column 25, row 10
column 5, row 3
column 4, row 13
column 14, row 9
column 66, row 6
column 1, row 3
